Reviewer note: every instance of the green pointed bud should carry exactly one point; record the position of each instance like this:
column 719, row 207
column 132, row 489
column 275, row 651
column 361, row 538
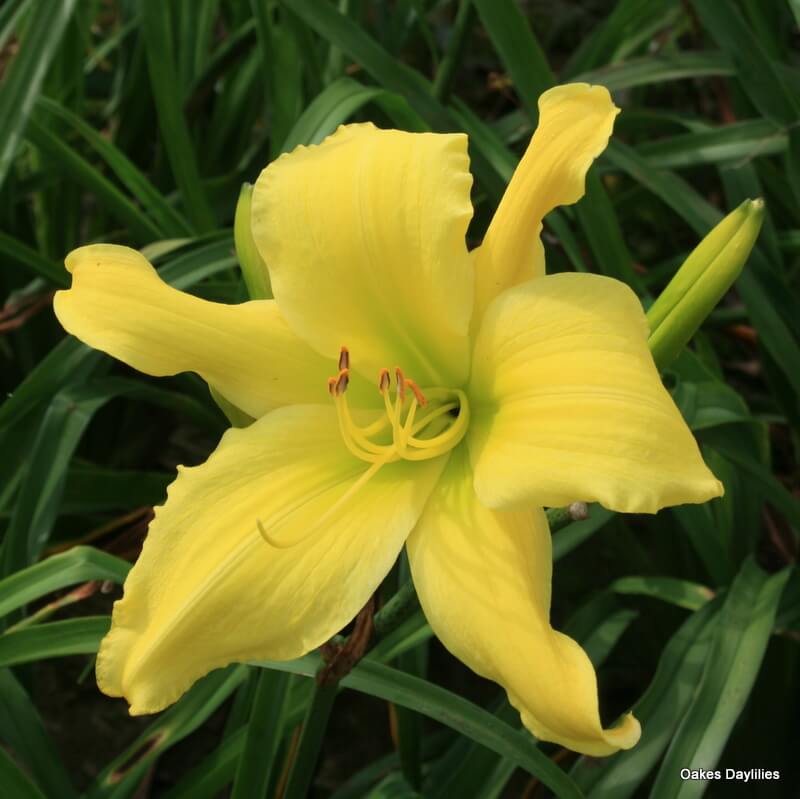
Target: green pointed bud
column 702, row 281
column 254, row 270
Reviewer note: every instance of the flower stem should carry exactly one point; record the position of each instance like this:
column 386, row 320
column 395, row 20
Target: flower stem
column 396, row 610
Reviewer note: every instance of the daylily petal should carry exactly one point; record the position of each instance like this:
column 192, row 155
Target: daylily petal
column 120, row 305
column 364, row 239
column 568, row 405
column 483, row 579
column 575, row 123
column 208, row 589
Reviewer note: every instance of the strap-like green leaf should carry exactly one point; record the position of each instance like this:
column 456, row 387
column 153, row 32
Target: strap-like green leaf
column 448, row 708
column 77, row 565
column 740, row 640
column 169, row 103
column 53, row 639
column 20, row 87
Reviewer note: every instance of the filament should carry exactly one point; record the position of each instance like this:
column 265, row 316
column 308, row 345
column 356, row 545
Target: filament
column 410, row 412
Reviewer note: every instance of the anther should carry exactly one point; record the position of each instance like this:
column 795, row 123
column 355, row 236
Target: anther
column 420, row 397
column 332, row 386
column 384, row 380
column 401, row 384
column 344, row 358
column 342, row 381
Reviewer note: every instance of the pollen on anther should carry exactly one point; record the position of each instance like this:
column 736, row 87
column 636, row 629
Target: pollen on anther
column 384, row 380
column 344, row 358
column 342, row 381
column 420, row 397
column 401, row 383
column 332, row 386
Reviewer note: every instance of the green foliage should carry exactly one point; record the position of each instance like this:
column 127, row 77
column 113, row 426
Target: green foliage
column 138, row 123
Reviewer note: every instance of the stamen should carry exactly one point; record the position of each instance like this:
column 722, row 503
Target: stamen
column 442, row 434
column 409, row 423
column 342, row 381
column 397, row 411
column 387, row 404
column 427, row 448
column 417, row 393
column 353, row 438
column 432, row 417
column 402, row 434
column 401, row 384
column 358, row 435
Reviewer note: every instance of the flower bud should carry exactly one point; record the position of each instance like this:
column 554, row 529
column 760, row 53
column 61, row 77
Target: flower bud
column 702, row 281
column 254, row 270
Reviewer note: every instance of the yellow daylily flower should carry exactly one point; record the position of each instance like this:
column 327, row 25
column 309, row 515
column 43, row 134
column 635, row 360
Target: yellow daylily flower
column 499, row 391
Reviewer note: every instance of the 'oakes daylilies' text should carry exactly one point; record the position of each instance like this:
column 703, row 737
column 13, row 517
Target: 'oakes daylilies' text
column 404, row 391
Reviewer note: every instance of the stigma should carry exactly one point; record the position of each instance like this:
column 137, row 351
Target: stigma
column 416, row 424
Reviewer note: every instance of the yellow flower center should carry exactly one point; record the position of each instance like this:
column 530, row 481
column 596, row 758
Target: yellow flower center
column 422, row 425
column 415, row 426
